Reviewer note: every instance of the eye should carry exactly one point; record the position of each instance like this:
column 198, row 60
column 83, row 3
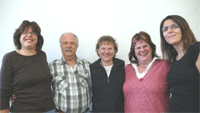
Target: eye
column 145, row 46
column 110, row 48
column 174, row 26
column 33, row 33
column 25, row 32
column 102, row 48
column 137, row 48
column 72, row 43
column 165, row 28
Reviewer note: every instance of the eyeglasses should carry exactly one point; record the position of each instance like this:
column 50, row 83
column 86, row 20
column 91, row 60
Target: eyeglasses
column 173, row 26
column 32, row 33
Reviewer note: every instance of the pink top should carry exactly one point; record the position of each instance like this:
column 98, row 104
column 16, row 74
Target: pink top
column 148, row 94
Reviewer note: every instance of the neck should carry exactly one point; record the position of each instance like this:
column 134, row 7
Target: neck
column 144, row 64
column 26, row 52
column 106, row 63
column 70, row 60
column 180, row 50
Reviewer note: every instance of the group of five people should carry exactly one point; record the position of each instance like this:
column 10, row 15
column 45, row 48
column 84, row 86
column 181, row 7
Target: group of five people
column 73, row 85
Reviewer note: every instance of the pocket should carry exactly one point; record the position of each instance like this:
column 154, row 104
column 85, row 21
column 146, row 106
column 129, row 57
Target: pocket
column 61, row 83
column 83, row 82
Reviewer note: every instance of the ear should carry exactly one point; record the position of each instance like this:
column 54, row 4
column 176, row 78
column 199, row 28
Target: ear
column 97, row 50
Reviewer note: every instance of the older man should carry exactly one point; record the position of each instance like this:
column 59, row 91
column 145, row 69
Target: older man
column 71, row 78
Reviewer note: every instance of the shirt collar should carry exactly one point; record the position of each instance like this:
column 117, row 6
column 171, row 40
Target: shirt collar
column 78, row 60
column 154, row 59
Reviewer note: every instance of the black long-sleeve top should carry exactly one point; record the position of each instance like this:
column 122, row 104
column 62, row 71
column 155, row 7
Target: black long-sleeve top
column 29, row 79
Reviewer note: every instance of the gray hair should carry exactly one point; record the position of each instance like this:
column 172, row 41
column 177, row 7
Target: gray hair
column 71, row 34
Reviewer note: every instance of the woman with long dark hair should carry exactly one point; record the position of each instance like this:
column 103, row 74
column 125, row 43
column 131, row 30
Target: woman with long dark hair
column 180, row 47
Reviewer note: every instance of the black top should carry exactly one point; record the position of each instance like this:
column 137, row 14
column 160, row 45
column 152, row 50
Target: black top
column 29, row 79
column 107, row 92
column 183, row 78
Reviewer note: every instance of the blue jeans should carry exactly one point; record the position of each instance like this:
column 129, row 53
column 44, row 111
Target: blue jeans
column 51, row 111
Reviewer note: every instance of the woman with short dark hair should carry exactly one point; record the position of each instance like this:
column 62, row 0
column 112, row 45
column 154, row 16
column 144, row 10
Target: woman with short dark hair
column 25, row 73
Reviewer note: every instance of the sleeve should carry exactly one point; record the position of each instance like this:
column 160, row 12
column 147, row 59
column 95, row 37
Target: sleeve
column 123, row 72
column 53, row 78
column 126, row 70
column 6, row 81
column 90, row 91
column 194, row 51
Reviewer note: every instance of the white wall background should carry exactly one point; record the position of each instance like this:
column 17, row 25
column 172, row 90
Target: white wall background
column 90, row 19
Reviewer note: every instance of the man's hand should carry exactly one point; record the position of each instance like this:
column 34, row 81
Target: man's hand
column 12, row 98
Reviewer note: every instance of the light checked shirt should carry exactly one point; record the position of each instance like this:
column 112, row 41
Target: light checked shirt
column 71, row 86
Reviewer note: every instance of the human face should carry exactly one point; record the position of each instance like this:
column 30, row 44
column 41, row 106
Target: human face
column 28, row 39
column 106, row 52
column 172, row 32
column 143, row 52
column 68, row 45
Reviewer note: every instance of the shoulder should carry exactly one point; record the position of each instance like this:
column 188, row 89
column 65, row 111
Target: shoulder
column 129, row 66
column 83, row 61
column 195, row 47
column 95, row 63
column 55, row 62
column 193, row 51
column 10, row 55
column 9, row 59
column 162, row 62
column 118, row 61
column 42, row 53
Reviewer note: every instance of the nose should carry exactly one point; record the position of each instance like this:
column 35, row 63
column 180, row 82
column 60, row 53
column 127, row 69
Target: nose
column 106, row 51
column 29, row 34
column 68, row 45
column 142, row 49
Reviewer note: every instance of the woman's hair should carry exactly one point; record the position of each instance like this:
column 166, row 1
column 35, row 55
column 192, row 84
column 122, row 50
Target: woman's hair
column 138, row 37
column 106, row 39
column 25, row 25
column 168, row 51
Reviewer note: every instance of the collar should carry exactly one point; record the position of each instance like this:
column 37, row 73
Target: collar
column 116, row 62
column 63, row 61
column 154, row 59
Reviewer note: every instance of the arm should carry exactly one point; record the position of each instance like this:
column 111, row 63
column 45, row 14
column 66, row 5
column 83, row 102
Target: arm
column 52, row 80
column 90, row 92
column 6, row 81
column 198, row 63
column 4, row 111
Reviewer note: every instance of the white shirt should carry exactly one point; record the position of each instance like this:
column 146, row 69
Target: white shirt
column 108, row 69
column 141, row 75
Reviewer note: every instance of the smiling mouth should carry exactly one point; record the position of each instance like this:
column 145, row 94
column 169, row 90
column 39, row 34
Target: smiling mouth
column 143, row 54
column 29, row 40
column 170, row 36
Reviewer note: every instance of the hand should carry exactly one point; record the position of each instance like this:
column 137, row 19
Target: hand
column 12, row 98
column 60, row 111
